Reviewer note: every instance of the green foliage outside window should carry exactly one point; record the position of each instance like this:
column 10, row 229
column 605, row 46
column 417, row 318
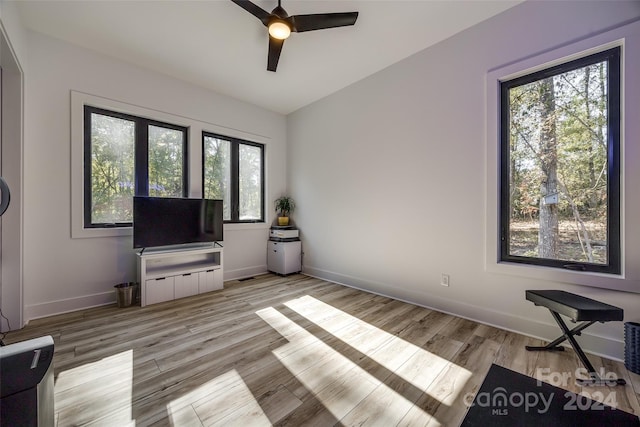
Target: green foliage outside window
column 234, row 172
column 165, row 162
column 112, row 167
column 559, row 164
column 126, row 156
column 217, row 172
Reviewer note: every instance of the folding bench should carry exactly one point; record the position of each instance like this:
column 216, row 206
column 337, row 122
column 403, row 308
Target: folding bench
column 578, row 309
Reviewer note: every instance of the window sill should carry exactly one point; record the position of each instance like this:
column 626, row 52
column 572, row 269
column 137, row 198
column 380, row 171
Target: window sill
column 88, row 233
column 246, row 226
column 583, row 278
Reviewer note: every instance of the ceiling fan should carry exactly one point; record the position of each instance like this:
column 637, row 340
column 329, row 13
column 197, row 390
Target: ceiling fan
column 280, row 25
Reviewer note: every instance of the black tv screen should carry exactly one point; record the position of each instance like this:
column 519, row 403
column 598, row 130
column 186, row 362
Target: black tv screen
column 164, row 221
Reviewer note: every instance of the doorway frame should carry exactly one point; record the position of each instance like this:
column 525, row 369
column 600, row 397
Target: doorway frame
column 11, row 168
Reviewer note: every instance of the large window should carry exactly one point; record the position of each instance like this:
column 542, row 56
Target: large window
column 234, row 172
column 124, row 156
column 560, row 166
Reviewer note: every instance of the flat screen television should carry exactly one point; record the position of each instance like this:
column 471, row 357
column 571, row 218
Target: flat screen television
column 165, row 221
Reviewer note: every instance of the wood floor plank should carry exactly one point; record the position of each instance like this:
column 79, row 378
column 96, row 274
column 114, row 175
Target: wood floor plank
column 617, row 396
column 384, row 406
column 186, row 417
column 461, row 379
column 286, row 351
column 279, row 403
column 459, row 329
column 422, row 329
column 514, row 355
column 559, row 368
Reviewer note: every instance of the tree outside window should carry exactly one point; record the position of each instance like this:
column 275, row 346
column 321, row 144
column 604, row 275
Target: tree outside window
column 124, row 156
column 234, row 172
column 560, row 165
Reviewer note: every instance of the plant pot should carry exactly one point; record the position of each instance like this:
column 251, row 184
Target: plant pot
column 283, row 220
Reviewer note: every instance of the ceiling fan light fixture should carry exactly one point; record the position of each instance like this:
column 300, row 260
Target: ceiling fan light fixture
column 280, row 25
column 279, row 29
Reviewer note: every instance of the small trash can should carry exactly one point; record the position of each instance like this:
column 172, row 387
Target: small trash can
column 632, row 347
column 126, row 294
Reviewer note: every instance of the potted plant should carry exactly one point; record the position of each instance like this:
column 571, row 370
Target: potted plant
column 284, row 206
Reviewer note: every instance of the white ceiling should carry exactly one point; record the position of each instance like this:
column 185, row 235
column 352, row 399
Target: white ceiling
column 218, row 45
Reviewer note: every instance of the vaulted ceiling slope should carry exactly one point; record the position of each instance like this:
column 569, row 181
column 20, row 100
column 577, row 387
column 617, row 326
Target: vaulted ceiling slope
column 218, row 45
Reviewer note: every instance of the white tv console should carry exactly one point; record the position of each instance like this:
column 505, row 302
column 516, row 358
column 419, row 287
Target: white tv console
column 168, row 274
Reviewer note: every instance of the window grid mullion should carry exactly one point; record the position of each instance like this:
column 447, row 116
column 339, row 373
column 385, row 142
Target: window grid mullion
column 87, row 167
column 141, row 159
column 141, row 168
column 234, row 171
column 235, row 181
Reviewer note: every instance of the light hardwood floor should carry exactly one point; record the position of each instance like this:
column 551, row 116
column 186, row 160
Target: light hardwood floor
column 287, row 351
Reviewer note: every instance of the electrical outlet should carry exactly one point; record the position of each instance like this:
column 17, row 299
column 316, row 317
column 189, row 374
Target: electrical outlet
column 444, row 280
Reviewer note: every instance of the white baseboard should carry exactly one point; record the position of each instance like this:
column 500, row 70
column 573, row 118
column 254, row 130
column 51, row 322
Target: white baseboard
column 242, row 273
column 52, row 308
column 591, row 343
column 595, row 344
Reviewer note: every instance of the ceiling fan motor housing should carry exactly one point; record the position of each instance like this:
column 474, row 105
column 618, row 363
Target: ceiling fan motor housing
column 281, row 25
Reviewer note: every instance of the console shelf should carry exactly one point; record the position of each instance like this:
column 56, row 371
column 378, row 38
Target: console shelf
column 165, row 275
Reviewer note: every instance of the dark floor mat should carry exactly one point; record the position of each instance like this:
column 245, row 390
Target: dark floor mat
column 507, row 398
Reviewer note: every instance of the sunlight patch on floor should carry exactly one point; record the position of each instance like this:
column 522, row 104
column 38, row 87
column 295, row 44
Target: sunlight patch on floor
column 409, row 361
column 106, row 390
column 349, row 392
column 226, row 400
column 337, row 382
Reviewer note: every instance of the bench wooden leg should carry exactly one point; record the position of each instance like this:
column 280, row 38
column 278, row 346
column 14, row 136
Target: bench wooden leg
column 595, row 379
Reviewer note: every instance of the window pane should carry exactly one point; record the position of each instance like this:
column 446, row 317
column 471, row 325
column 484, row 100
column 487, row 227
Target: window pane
column 165, row 162
column 217, row 172
column 558, row 166
column 112, row 179
column 250, row 182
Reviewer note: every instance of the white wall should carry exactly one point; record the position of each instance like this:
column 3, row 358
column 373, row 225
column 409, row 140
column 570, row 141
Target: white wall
column 389, row 174
column 12, row 61
column 12, row 25
column 62, row 273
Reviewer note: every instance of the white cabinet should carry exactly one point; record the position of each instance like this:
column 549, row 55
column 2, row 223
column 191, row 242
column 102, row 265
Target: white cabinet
column 186, row 285
column 159, row 290
column 165, row 275
column 210, row 280
column 284, row 257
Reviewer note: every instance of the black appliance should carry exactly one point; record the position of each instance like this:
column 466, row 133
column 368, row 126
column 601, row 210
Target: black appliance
column 167, row 221
column 5, row 196
column 26, row 383
column 26, row 371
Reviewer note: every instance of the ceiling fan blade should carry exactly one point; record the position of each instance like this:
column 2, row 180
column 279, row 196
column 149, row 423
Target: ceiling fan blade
column 319, row 21
column 275, row 47
column 255, row 10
